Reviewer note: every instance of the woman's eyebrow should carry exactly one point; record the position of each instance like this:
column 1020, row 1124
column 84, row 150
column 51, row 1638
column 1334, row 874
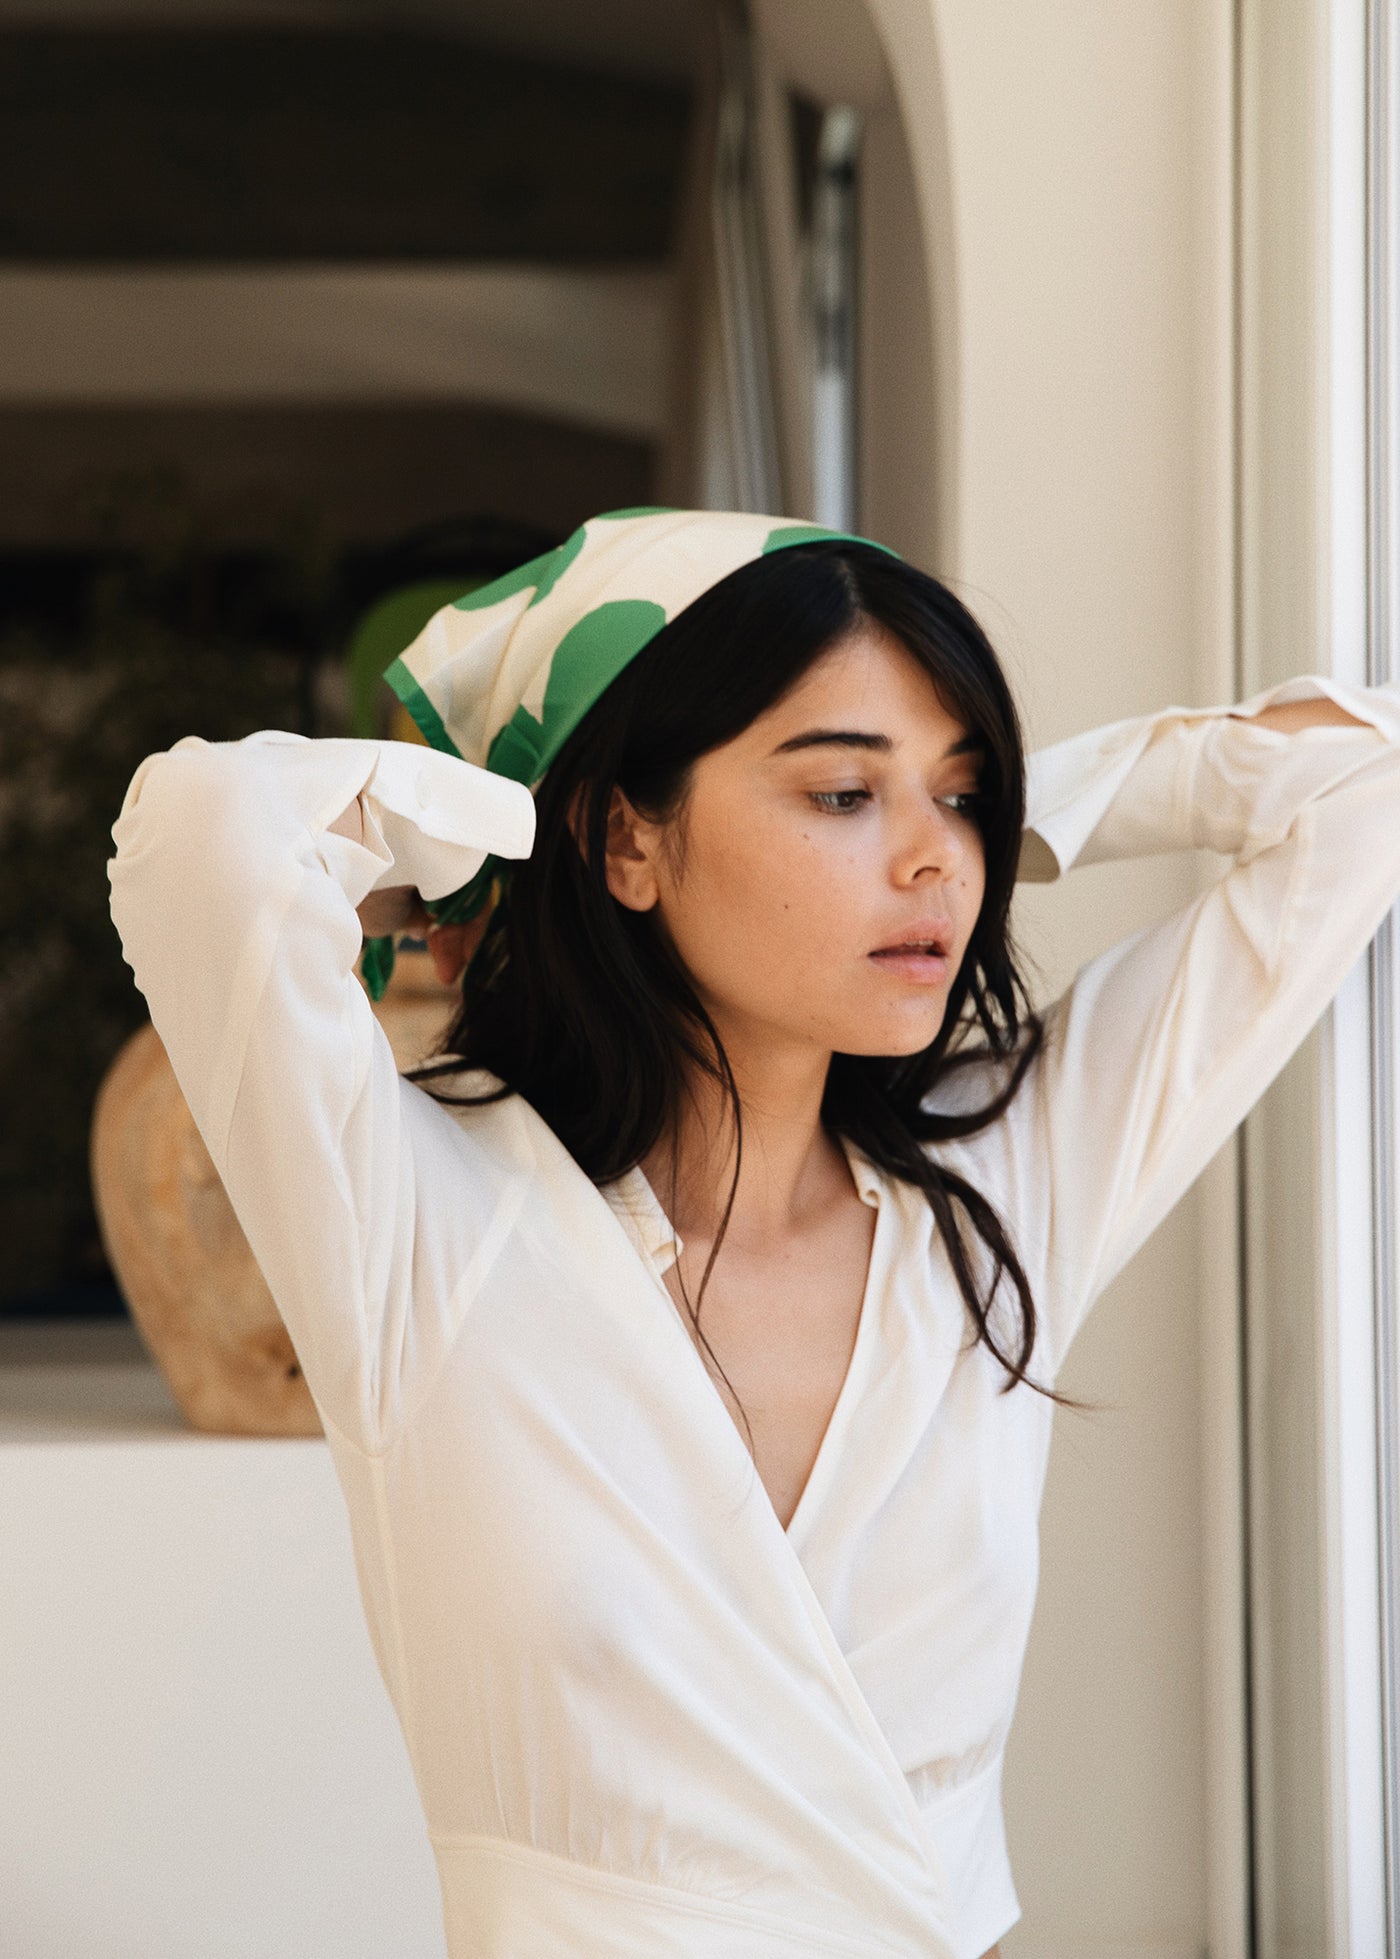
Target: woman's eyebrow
column 853, row 738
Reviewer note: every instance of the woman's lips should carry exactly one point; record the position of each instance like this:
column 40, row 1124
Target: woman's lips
column 926, row 967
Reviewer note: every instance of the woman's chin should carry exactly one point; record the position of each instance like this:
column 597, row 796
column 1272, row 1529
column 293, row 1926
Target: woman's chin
column 907, row 1034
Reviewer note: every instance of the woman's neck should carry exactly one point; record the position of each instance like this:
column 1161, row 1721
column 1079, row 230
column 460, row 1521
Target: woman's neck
column 790, row 1168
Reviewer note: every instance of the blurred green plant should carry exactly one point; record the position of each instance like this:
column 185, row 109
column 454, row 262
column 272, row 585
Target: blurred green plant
column 164, row 649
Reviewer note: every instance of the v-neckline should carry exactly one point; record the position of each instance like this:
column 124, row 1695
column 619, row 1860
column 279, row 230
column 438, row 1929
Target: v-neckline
column 841, row 1672
column 870, row 1189
column 786, row 1562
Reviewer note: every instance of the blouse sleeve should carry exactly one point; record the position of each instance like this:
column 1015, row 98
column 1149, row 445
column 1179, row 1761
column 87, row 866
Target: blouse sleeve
column 235, row 903
column 1161, row 1045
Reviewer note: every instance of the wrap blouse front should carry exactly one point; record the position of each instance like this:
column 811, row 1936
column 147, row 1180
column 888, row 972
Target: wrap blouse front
column 643, row 1718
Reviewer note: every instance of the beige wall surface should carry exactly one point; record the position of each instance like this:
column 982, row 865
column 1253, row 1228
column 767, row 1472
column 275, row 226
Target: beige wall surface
column 1072, row 165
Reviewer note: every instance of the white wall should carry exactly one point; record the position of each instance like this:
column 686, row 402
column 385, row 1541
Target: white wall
column 200, row 1760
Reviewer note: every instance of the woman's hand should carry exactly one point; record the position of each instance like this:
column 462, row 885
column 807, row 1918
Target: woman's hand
column 399, row 908
column 1288, row 715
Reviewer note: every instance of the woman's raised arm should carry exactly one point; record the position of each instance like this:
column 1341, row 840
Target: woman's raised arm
column 1161, row 1045
column 238, row 869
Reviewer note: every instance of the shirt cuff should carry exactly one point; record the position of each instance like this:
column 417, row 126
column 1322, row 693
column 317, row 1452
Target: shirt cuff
column 441, row 817
column 1071, row 785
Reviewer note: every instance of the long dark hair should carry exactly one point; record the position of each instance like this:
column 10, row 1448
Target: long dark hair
column 577, row 1002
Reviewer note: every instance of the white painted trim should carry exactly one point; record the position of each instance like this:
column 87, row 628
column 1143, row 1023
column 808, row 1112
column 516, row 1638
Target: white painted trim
column 1347, row 1435
column 1347, row 1438
column 1346, row 1441
column 1383, row 665
column 1305, row 554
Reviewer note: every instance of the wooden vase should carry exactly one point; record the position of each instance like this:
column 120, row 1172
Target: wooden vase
column 195, row 1292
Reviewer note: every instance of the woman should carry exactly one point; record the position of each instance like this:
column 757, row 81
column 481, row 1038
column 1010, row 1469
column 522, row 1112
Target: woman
column 698, row 1538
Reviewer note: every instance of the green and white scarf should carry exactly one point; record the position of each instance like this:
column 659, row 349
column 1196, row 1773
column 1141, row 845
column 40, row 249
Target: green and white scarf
column 503, row 675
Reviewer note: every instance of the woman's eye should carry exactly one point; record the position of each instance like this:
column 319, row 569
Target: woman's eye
column 963, row 804
column 838, row 801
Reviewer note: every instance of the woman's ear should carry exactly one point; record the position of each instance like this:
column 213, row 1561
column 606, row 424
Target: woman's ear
column 633, row 845
column 632, row 849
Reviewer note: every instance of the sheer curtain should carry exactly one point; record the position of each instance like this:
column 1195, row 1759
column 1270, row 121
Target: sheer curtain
column 766, row 301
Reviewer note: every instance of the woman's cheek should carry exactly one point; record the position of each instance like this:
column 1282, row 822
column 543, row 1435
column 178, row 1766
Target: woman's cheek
column 770, row 898
column 764, row 947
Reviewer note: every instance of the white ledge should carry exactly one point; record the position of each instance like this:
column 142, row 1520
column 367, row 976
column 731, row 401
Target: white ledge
column 94, row 1382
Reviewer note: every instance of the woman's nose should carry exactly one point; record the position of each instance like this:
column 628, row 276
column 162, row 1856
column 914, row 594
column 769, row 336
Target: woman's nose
column 932, row 839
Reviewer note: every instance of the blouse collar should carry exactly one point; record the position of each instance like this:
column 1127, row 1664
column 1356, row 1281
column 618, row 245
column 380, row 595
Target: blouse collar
column 639, row 1210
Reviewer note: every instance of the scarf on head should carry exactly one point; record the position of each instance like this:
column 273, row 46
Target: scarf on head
column 502, row 676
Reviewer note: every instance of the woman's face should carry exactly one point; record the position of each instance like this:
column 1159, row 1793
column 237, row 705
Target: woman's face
column 833, row 831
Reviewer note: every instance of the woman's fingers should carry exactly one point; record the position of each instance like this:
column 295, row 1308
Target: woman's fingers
column 453, row 945
column 399, row 908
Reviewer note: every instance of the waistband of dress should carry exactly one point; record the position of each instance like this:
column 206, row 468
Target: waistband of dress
column 505, row 1900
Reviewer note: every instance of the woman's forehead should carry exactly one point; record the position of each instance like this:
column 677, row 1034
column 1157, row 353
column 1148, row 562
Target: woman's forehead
column 871, row 672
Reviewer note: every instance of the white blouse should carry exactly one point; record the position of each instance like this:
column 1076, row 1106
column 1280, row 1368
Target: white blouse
column 645, row 1719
